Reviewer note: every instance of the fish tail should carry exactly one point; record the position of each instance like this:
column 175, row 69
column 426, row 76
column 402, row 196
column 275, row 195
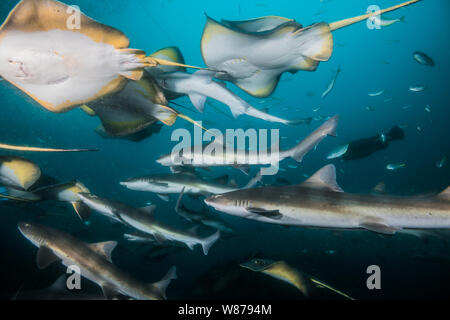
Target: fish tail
column 209, row 241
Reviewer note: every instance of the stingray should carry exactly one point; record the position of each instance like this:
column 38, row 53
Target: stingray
column 61, row 67
column 253, row 54
column 138, row 106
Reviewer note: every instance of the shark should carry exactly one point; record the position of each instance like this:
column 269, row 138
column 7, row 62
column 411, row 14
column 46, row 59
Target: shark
column 94, row 261
column 200, row 85
column 223, row 156
column 142, row 219
column 321, row 202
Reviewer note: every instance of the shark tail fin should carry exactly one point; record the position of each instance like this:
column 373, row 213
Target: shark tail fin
column 347, row 22
column 164, row 282
column 209, row 241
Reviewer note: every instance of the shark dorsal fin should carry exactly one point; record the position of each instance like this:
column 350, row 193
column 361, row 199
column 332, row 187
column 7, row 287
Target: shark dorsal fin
column 445, row 195
column 325, row 178
column 104, row 249
column 164, row 282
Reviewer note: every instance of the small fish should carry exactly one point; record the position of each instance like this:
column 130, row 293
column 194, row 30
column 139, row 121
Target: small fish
column 390, row 22
column 330, row 252
column 419, row 128
column 332, row 83
column 417, row 88
column 428, row 108
column 395, row 166
column 388, row 100
column 423, row 59
column 409, row 106
column 370, row 108
column 316, row 109
column 338, row 152
column 292, row 167
column 378, row 93
column 441, row 162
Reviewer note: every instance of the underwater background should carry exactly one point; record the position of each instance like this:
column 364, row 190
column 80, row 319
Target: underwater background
column 371, row 60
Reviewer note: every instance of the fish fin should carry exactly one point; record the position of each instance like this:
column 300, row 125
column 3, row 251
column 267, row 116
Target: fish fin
column 163, row 197
column 150, row 210
column 380, row 188
column 209, row 241
column 46, row 15
column 261, row 84
column 45, row 257
column 445, row 195
column 254, row 181
column 165, row 281
column 316, row 41
column 273, row 214
column 325, row 178
column 60, row 285
column 109, row 292
column 104, row 249
column 198, row 101
column 378, row 227
column 301, row 149
column 180, row 201
column 81, row 209
column 244, row 168
column 165, row 114
column 21, row 172
column 170, row 54
column 88, row 110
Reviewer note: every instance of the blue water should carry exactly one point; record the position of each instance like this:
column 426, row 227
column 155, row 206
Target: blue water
column 361, row 53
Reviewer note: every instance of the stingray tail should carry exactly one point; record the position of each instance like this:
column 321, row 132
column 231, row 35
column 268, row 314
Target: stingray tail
column 35, row 149
column 154, row 62
column 347, row 22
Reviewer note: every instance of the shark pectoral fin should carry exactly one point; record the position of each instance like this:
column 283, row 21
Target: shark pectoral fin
column 45, row 257
column 163, row 197
column 273, row 214
column 378, row 227
column 104, row 249
column 198, row 101
column 82, row 210
column 180, row 201
column 445, row 195
column 59, row 285
column 164, row 282
column 261, row 84
column 325, row 178
column 109, row 292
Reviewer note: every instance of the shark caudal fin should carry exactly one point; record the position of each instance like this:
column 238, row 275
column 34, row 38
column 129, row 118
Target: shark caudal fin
column 209, row 241
column 312, row 141
column 347, row 22
column 164, row 282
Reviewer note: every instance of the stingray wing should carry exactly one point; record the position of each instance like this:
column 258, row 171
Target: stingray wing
column 258, row 24
column 172, row 54
column 62, row 67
